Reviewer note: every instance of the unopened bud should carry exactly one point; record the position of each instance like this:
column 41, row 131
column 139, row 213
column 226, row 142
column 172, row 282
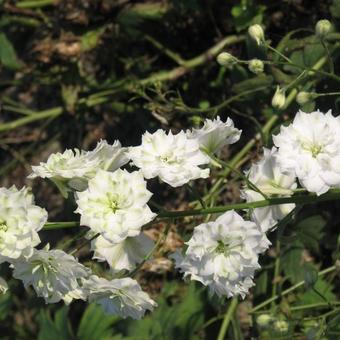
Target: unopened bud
column 256, row 66
column 279, row 99
column 256, row 32
column 305, row 97
column 281, row 326
column 322, row 28
column 226, row 59
column 264, row 320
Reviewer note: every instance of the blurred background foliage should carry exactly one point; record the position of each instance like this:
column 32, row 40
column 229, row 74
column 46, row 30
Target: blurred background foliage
column 76, row 71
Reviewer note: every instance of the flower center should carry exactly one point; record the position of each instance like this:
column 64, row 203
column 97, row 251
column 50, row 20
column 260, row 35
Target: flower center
column 113, row 202
column 3, row 226
column 314, row 149
column 225, row 248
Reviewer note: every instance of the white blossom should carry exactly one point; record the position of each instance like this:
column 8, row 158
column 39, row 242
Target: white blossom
column 310, row 148
column 3, row 286
column 174, row 158
column 20, row 221
column 76, row 166
column 115, row 204
column 223, row 255
column 123, row 255
column 269, row 179
column 123, row 297
column 53, row 274
column 215, row 134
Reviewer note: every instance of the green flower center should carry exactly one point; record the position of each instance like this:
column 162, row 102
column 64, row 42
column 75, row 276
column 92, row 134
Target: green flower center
column 3, row 226
column 112, row 201
column 225, row 248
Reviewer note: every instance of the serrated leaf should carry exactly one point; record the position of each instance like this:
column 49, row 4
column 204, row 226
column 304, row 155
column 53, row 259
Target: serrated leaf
column 310, row 231
column 291, row 262
column 8, row 56
column 56, row 329
column 95, row 324
column 323, row 288
column 310, row 275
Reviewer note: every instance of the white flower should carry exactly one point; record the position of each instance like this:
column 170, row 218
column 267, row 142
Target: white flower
column 215, row 134
column 268, row 178
column 53, row 274
column 174, row 158
column 123, row 297
column 224, row 254
column 78, row 166
column 115, row 204
column 20, row 221
column 123, row 255
column 256, row 32
column 3, row 286
column 310, row 148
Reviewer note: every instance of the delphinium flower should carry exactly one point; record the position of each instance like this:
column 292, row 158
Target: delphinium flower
column 310, row 148
column 115, row 204
column 75, row 167
column 223, row 255
column 20, row 221
column 266, row 176
column 215, row 134
column 123, row 255
column 175, row 159
column 53, row 274
column 123, row 297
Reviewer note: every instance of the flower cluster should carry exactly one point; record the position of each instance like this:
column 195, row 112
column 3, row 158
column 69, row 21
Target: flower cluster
column 113, row 204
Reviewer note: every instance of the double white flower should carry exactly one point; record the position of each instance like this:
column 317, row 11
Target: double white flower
column 310, row 148
column 215, row 134
column 53, row 274
column 115, row 204
column 223, row 255
column 175, row 159
column 124, row 255
column 123, row 297
column 20, row 221
column 267, row 176
column 76, row 166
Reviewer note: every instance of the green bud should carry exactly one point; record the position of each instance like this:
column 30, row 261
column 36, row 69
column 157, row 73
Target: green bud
column 264, row 320
column 256, row 32
column 305, row 97
column 322, row 28
column 279, row 98
column 226, row 59
column 281, row 326
column 256, row 66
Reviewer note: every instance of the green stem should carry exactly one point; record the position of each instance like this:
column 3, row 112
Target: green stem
column 298, row 200
column 289, row 290
column 31, row 118
column 279, row 53
column 276, row 271
column 227, row 319
column 35, row 3
column 329, row 58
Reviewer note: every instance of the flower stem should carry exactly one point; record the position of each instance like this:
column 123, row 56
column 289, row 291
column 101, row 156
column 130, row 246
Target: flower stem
column 227, row 319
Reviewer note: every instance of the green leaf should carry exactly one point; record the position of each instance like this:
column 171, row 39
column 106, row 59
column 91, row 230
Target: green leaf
column 8, row 56
column 95, row 324
column 90, row 39
column 310, row 231
column 5, row 305
column 56, row 329
column 291, row 262
column 335, row 9
column 323, row 288
column 310, row 275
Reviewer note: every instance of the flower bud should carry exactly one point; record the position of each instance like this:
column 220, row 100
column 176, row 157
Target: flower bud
column 256, row 66
column 226, row 59
column 264, row 320
column 305, row 97
column 256, row 32
column 281, row 326
column 279, row 98
column 322, row 28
